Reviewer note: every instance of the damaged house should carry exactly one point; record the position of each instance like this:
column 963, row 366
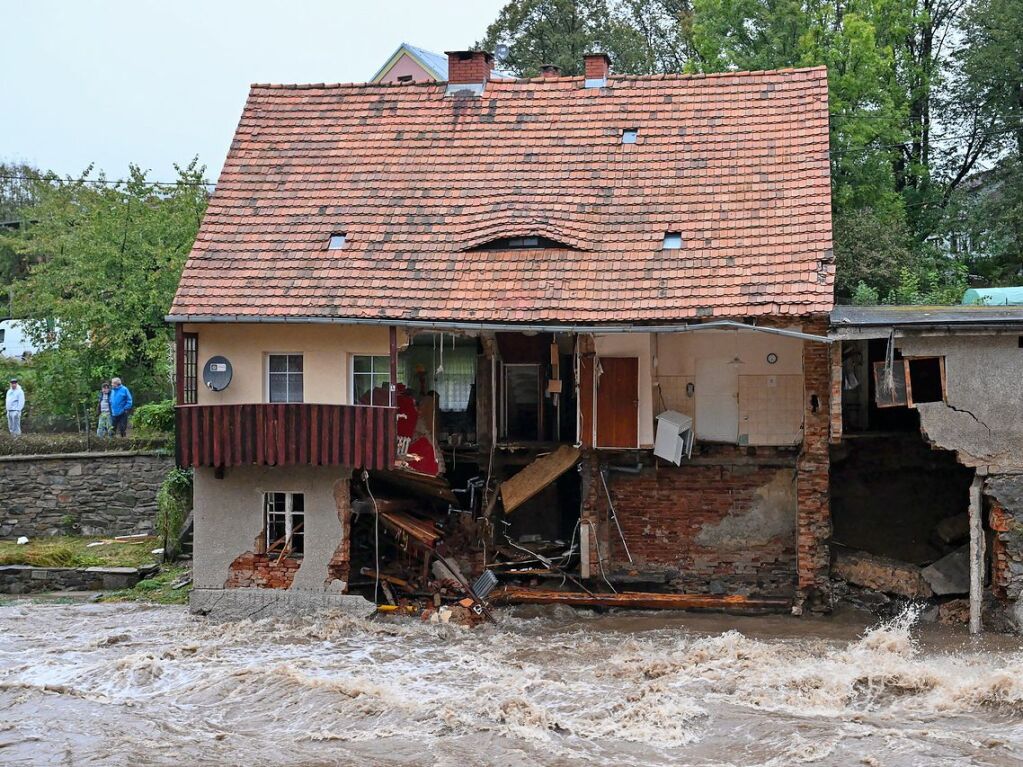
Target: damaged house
column 570, row 332
column 927, row 454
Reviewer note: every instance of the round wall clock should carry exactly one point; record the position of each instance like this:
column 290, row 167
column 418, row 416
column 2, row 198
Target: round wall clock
column 772, row 358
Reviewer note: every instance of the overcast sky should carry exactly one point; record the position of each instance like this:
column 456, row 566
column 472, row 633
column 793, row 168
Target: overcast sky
column 154, row 83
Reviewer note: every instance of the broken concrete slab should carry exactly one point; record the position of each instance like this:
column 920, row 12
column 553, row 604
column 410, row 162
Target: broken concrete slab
column 950, row 574
column 254, row 603
column 881, row 574
column 954, row 529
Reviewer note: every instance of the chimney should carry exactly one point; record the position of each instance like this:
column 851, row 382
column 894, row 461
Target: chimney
column 598, row 66
column 550, row 70
column 468, row 70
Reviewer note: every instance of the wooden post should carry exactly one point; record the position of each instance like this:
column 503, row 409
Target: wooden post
column 976, row 555
column 392, row 396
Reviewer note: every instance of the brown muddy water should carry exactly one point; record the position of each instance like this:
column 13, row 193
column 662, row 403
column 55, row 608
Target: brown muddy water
column 135, row 685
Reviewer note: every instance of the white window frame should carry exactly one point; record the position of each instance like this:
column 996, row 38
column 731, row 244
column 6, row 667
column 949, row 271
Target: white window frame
column 373, row 372
column 266, row 376
column 289, row 521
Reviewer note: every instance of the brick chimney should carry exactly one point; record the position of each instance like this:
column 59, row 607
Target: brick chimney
column 468, row 70
column 597, row 66
column 550, row 70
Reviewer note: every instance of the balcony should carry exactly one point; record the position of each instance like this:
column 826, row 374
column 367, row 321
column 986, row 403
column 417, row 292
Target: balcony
column 360, row 436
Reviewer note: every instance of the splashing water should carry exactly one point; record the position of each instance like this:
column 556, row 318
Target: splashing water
column 139, row 686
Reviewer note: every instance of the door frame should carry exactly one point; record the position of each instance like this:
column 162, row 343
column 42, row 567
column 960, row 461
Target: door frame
column 596, row 403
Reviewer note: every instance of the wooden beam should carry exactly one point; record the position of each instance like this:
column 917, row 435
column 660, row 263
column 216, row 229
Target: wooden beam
column 638, row 599
column 536, row 476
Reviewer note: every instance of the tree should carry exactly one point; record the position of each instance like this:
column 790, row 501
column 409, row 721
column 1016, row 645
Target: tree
column 17, row 193
column 109, row 257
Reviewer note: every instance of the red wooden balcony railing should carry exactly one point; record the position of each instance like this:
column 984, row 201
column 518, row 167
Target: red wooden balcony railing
column 360, row 436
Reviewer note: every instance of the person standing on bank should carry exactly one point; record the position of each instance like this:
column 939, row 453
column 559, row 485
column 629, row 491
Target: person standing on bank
column 104, row 422
column 15, row 404
column 120, row 405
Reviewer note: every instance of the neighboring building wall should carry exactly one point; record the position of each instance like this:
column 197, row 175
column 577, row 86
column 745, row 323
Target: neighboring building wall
column 406, row 66
column 15, row 342
column 326, row 350
column 111, row 493
column 982, row 418
column 723, row 522
column 228, row 520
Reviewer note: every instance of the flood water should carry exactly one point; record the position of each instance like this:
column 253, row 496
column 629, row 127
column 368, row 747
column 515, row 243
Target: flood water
column 136, row 685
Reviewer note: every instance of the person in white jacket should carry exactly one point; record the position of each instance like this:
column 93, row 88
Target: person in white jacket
column 15, row 404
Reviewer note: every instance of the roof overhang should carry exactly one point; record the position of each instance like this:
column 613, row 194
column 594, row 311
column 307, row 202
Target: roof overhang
column 684, row 327
column 865, row 322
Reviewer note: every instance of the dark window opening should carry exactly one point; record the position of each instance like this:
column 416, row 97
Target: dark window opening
column 405, row 78
column 190, row 369
column 521, row 405
column 926, row 382
column 523, row 243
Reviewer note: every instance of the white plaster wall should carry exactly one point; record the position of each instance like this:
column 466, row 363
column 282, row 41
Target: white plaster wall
column 634, row 345
column 326, row 351
column 770, row 395
column 982, row 417
column 228, row 517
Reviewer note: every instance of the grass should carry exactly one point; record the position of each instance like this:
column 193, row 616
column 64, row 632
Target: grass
column 155, row 590
column 74, row 551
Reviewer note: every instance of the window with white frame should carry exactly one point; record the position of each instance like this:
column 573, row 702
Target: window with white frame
column 284, row 377
column 369, row 372
column 284, row 522
column 454, row 383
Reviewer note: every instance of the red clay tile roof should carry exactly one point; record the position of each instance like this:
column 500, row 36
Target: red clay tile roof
column 738, row 163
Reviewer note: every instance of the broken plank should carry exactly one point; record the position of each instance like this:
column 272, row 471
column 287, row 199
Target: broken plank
column 637, row 599
column 536, row 476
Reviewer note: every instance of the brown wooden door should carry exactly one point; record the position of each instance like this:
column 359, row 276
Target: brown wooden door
column 618, row 402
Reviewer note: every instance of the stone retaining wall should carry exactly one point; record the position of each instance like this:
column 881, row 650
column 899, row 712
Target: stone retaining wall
column 111, row 493
column 24, row 579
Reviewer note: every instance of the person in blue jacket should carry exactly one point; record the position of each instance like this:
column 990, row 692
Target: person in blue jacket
column 120, row 405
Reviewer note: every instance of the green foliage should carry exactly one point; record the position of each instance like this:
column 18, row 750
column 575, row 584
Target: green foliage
column 154, row 418
column 173, row 501
column 156, row 590
column 105, row 264
column 74, row 551
column 864, row 295
column 49, row 443
column 891, row 65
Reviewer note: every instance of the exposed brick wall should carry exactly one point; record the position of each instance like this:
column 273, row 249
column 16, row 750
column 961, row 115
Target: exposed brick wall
column 726, row 521
column 812, row 481
column 261, row 571
column 1000, row 522
column 340, row 565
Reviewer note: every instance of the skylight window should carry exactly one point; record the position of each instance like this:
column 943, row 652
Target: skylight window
column 629, row 135
column 672, row 241
column 337, row 241
column 524, row 242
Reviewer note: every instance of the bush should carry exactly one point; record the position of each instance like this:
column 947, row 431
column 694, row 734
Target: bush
column 173, row 501
column 46, row 444
column 155, row 418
